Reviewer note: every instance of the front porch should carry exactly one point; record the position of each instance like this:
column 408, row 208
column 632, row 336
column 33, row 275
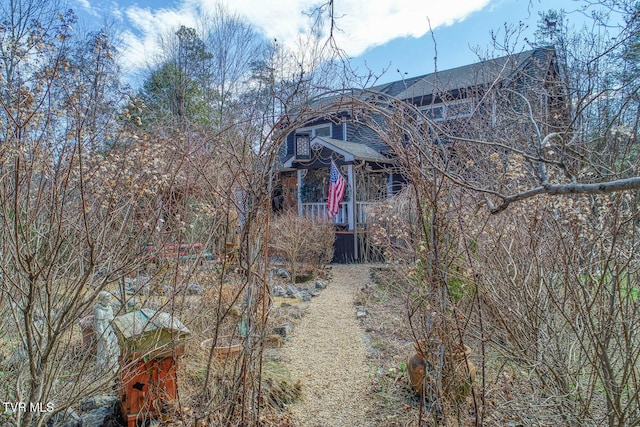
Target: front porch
column 344, row 217
column 369, row 177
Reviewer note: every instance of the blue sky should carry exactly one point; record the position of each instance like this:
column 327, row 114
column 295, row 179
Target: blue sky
column 383, row 34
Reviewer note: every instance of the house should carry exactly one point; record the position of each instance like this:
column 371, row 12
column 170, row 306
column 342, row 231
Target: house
column 334, row 132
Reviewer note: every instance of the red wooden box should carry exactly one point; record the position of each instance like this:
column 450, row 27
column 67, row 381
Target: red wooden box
column 148, row 389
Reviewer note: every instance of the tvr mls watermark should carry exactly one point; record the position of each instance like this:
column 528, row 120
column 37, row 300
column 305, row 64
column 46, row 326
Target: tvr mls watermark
column 28, row 407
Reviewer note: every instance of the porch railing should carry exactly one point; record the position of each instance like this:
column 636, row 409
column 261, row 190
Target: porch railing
column 318, row 211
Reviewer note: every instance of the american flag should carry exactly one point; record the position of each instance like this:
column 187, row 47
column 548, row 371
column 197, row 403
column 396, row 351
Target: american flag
column 337, row 185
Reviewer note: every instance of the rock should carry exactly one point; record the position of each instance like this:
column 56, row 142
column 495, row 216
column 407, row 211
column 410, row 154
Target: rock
column 305, row 296
column 278, row 291
column 194, row 289
column 136, row 284
column 311, row 290
column 292, row 291
column 96, row 418
column 68, row 418
column 111, row 421
column 129, row 285
column 321, row 285
column 100, row 401
column 283, row 330
column 282, row 273
column 361, row 313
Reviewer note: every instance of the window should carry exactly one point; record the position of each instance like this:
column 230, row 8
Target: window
column 460, row 108
column 304, row 136
column 435, row 113
column 450, row 110
column 320, row 130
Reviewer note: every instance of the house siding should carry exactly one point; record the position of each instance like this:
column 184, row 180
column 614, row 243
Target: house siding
column 365, row 135
column 532, row 74
column 337, row 131
column 290, row 142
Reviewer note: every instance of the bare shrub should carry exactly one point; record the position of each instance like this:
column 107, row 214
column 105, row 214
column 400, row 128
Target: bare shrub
column 393, row 226
column 560, row 288
column 302, row 241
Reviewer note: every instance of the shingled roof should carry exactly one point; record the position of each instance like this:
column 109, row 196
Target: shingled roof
column 352, row 150
column 533, row 62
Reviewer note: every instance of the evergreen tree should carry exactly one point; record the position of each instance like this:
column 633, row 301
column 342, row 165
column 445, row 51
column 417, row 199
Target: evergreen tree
column 175, row 92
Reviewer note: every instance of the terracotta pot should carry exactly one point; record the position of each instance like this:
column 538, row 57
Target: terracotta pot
column 227, row 347
column 415, row 368
column 457, row 379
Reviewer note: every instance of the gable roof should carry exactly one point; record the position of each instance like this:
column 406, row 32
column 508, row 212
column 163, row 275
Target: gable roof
column 351, row 150
column 533, row 62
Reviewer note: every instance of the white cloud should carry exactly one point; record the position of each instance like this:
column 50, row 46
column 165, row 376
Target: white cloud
column 147, row 27
column 362, row 24
column 86, row 6
column 369, row 23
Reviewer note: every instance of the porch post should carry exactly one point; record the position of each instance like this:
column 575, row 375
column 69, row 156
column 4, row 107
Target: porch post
column 299, row 174
column 352, row 200
column 353, row 218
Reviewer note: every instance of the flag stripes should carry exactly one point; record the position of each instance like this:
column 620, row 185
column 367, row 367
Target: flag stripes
column 337, row 185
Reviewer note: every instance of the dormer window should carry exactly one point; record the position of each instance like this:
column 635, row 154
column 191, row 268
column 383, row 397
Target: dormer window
column 320, row 130
column 304, row 136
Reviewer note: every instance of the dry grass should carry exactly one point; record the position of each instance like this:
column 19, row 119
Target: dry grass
column 511, row 396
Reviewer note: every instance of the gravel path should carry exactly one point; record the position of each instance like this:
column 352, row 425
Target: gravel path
column 327, row 353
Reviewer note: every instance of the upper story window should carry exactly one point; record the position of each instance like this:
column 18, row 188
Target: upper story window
column 320, row 130
column 304, row 136
column 434, row 112
column 449, row 110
